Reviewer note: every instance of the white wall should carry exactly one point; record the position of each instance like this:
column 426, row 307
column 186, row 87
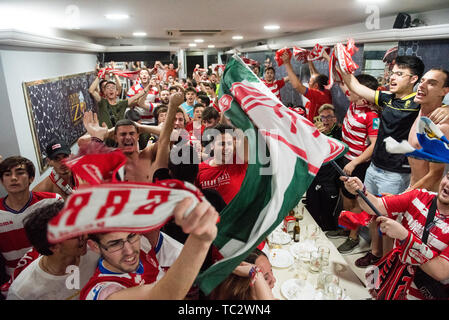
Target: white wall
column 21, row 65
column 431, row 18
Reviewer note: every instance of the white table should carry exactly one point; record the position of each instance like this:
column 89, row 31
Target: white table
column 353, row 287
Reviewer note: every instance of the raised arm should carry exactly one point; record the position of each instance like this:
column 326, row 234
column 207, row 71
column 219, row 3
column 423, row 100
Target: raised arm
column 200, row 224
column 295, row 82
column 118, row 84
column 93, row 90
column 163, row 151
column 313, row 70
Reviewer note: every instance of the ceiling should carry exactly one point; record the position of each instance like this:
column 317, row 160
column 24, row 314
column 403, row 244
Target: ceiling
column 162, row 19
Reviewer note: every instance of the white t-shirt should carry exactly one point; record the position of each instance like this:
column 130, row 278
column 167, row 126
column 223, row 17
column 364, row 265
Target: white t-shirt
column 33, row 283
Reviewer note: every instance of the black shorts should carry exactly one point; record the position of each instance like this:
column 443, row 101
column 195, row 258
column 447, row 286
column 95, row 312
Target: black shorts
column 358, row 172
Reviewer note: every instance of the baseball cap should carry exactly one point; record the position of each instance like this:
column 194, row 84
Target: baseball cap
column 57, row 147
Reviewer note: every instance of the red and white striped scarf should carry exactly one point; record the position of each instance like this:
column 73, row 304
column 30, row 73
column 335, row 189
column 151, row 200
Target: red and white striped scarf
column 343, row 56
column 121, row 206
column 60, row 182
column 279, row 53
column 315, row 54
column 133, row 75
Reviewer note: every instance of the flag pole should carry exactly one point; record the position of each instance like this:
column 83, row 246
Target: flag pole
column 360, row 193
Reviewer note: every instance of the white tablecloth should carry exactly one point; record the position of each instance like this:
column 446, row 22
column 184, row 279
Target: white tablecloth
column 354, row 289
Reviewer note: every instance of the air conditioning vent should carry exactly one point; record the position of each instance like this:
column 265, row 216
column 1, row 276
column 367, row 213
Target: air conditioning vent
column 194, row 33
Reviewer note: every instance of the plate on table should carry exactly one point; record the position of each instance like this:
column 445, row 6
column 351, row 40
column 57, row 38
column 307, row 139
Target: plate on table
column 302, row 250
column 281, row 258
column 295, row 289
column 279, row 237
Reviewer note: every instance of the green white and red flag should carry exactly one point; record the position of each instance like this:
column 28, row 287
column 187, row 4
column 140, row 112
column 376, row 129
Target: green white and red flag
column 286, row 151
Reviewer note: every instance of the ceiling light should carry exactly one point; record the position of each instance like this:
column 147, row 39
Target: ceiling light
column 192, row 44
column 211, row 46
column 117, row 16
column 199, row 40
column 237, row 37
column 139, row 34
column 271, row 27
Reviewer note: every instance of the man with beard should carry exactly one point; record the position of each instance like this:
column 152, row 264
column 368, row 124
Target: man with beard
column 421, row 248
column 60, row 180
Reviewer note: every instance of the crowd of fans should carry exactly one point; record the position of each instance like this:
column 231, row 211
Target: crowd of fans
column 163, row 117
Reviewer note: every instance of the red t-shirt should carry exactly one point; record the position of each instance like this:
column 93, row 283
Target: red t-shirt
column 275, row 87
column 316, row 99
column 171, row 72
column 226, row 179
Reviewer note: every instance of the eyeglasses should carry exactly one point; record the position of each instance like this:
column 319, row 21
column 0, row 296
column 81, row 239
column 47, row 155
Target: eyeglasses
column 399, row 74
column 323, row 118
column 120, row 244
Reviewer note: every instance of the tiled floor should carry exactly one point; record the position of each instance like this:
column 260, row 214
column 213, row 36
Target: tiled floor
column 351, row 257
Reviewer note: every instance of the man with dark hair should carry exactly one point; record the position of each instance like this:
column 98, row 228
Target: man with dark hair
column 164, row 97
column 190, row 101
column 211, row 89
column 60, row 270
column 210, row 117
column 389, row 173
column 16, row 176
column 274, row 85
column 203, row 99
column 226, row 170
column 432, row 88
column 160, row 114
column 60, row 180
column 315, row 92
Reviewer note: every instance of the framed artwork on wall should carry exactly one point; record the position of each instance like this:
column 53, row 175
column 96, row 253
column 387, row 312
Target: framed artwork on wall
column 55, row 110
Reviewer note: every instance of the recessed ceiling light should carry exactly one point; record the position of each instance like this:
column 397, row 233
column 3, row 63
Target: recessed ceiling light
column 117, row 16
column 199, row 40
column 237, row 37
column 211, row 46
column 271, row 27
column 139, row 34
column 192, row 44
